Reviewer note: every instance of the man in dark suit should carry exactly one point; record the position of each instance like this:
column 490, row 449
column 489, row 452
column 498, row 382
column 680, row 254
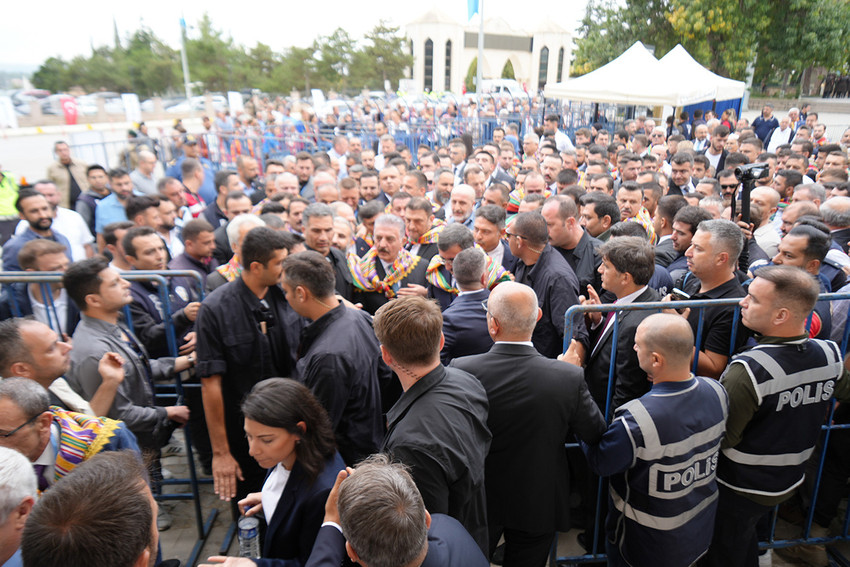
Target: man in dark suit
column 836, row 215
column 628, row 263
column 384, row 518
column 465, row 320
column 318, row 222
column 665, row 212
column 488, row 230
column 387, row 270
column 535, row 405
column 422, row 233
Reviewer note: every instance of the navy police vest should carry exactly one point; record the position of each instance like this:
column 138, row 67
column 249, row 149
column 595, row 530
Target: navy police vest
column 794, row 382
column 662, row 508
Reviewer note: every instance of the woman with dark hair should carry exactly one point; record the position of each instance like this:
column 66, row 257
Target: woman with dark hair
column 290, row 434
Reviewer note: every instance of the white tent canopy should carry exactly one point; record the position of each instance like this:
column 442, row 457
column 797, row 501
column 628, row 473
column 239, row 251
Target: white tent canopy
column 637, row 77
column 689, row 70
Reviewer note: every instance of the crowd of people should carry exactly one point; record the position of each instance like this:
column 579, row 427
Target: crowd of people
column 377, row 344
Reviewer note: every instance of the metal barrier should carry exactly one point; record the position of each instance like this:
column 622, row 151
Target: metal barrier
column 44, row 279
column 700, row 305
column 278, row 141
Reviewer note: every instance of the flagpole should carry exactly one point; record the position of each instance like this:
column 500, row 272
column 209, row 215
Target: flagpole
column 185, row 59
column 480, row 46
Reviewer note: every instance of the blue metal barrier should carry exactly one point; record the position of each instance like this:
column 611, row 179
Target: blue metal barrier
column 44, row 279
column 700, row 305
column 276, row 141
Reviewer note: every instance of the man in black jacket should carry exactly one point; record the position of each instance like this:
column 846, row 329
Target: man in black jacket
column 439, row 425
column 339, row 357
column 567, row 236
column 536, row 404
column 551, row 278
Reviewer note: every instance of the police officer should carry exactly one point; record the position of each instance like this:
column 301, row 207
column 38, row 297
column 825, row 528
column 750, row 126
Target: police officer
column 779, row 393
column 661, row 453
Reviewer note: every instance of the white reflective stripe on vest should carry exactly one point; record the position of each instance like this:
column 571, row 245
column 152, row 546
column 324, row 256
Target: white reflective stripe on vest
column 659, row 522
column 657, row 469
column 783, row 460
column 654, row 450
column 782, row 381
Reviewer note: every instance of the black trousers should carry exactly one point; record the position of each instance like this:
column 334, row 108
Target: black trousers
column 735, row 543
column 522, row 549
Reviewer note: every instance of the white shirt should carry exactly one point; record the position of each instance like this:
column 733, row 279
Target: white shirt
column 497, row 254
column 563, row 142
column 174, row 244
column 625, row 300
column 778, row 138
column 768, row 239
column 272, row 490
column 62, row 390
column 41, row 314
column 72, row 226
column 524, row 343
column 713, row 160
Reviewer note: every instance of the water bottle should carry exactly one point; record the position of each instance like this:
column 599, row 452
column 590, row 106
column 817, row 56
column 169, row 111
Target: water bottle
column 249, row 536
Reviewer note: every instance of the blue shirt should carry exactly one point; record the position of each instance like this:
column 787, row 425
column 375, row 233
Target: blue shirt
column 15, row 560
column 14, row 245
column 207, row 189
column 108, row 211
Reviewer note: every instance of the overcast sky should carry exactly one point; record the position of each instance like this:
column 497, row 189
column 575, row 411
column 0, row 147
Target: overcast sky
column 58, row 27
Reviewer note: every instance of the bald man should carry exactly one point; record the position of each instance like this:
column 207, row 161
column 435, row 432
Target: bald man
column 662, row 513
column 536, row 404
column 766, row 233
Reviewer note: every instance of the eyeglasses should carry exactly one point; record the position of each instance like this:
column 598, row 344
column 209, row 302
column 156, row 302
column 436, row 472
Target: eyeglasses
column 732, row 186
column 484, row 305
column 509, row 234
column 15, row 430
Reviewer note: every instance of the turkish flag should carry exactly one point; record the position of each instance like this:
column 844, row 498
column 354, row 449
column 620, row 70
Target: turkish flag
column 69, row 108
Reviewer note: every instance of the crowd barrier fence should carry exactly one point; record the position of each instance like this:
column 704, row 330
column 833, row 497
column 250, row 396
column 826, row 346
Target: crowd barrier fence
column 203, row 526
column 700, row 305
column 171, row 392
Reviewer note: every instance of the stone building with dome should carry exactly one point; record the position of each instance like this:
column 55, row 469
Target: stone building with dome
column 443, row 50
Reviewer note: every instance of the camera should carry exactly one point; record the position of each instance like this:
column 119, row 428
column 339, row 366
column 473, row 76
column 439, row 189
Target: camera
column 752, row 171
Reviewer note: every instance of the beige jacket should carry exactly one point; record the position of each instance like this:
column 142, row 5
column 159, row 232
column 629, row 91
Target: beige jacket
column 58, row 174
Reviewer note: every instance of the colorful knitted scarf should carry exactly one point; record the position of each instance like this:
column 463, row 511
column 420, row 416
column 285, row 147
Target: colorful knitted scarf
column 516, row 197
column 231, row 270
column 645, row 221
column 365, row 275
column 496, row 274
column 430, row 237
column 82, row 437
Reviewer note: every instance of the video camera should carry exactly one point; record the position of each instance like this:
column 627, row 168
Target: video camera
column 752, row 171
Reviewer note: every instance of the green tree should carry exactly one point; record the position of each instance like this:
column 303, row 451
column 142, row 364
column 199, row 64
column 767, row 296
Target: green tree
column 209, row 56
column 785, row 36
column 296, row 70
column 508, row 70
column 820, row 37
column 334, row 54
column 385, row 57
column 52, row 75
